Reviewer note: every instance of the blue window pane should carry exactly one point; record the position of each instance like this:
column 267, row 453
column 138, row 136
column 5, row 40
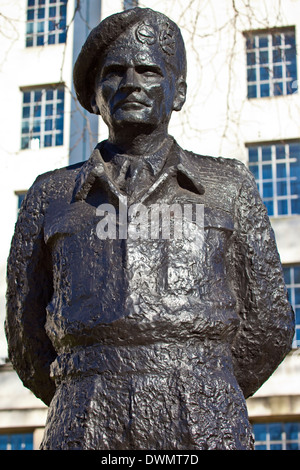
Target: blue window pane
column 36, row 126
column 281, row 188
column 297, row 274
column 260, row 447
column 281, row 170
column 251, row 75
column 292, row 446
column 48, row 125
column 3, row 442
column 37, row 112
column 29, row 28
column 280, row 152
column 51, row 26
column 264, row 90
column 26, row 97
column 287, row 275
column 51, row 39
column 49, row 109
column 40, row 26
column 250, row 44
column 63, row 10
column 260, row 432
column 278, row 89
column 264, row 73
column 289, row 39
column 254, row 169
column 30, row 15
column 29, row 42
column 263, row 57
column 277, row 55
column 30, row 3
column 40, row 40
column 25, row 143
column 26, row 112
column 59, row 139
column 291, row 430
column 49, row 95
column 253, row 154
column 290, row 55
column 282, row 207
column 297, row 315
column 62, row 38
column 275, row 430
column 294, row 151
column 291, row 70
column 276, row 40
column 270, row 208
column 52, row 12
column 252, row 91
column 59, row 123
column 275, row 446
column 263, row 41
column 60, row 108
column 297, row 295
column 48, row 141
column 25, row 127
column 60, row 94
column 266, row 153
column 37, row 96
column 251, row 58
column 267, row 190
column 267, row 172
column 277, row 71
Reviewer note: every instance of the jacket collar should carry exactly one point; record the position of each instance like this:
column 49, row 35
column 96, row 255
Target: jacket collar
column 177, row 164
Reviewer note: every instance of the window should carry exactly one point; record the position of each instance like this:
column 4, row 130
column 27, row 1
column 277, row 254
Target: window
column 130, row 4
column 276, row 168
column 23, row 441
column 277, row 436
column 292, row 280
column 46, row 22
column 42, row 117
column 20, row 197
column 271, row 63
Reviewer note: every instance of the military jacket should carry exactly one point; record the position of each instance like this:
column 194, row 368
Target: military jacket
column 148, row 327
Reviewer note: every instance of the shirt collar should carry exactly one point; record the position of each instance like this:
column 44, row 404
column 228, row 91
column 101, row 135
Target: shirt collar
column 169, row 160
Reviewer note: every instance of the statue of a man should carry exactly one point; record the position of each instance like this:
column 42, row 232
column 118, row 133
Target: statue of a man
column 144, row 342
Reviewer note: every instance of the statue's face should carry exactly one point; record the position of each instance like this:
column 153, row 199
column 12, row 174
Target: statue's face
column 134, row 87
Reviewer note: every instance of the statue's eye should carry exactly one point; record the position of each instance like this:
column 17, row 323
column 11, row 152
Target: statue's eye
column 148, row 71
column 113, row 70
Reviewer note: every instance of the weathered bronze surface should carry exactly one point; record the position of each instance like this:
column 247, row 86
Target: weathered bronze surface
column 137, row 342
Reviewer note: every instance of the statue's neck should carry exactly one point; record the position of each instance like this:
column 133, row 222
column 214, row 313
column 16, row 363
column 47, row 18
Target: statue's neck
column 139, row 144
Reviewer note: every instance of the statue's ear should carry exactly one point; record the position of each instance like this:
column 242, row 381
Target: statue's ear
column 94, row 105
column 180, row 94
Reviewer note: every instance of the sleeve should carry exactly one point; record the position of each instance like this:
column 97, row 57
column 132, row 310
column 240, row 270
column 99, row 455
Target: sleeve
column 29, row 290
column 266, row 317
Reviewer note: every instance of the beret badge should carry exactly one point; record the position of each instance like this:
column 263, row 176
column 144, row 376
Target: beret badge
column 146, row 34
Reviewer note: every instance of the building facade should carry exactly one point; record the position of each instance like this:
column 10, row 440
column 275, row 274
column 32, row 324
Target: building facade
column 243, row 102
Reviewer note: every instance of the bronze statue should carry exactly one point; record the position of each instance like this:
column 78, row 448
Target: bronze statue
column 144, row 342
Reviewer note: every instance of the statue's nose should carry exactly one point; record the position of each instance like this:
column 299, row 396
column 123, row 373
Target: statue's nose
column 130, row 80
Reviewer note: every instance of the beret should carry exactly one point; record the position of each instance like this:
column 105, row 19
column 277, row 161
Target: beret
column 153, row 27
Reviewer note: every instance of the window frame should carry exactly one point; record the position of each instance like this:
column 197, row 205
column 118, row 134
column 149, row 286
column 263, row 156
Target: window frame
column 291, row 286
column 261, row 45
column 37, row 120
column 46, row 22
column 128, row 4
column 283, row 441
column 284, row 173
